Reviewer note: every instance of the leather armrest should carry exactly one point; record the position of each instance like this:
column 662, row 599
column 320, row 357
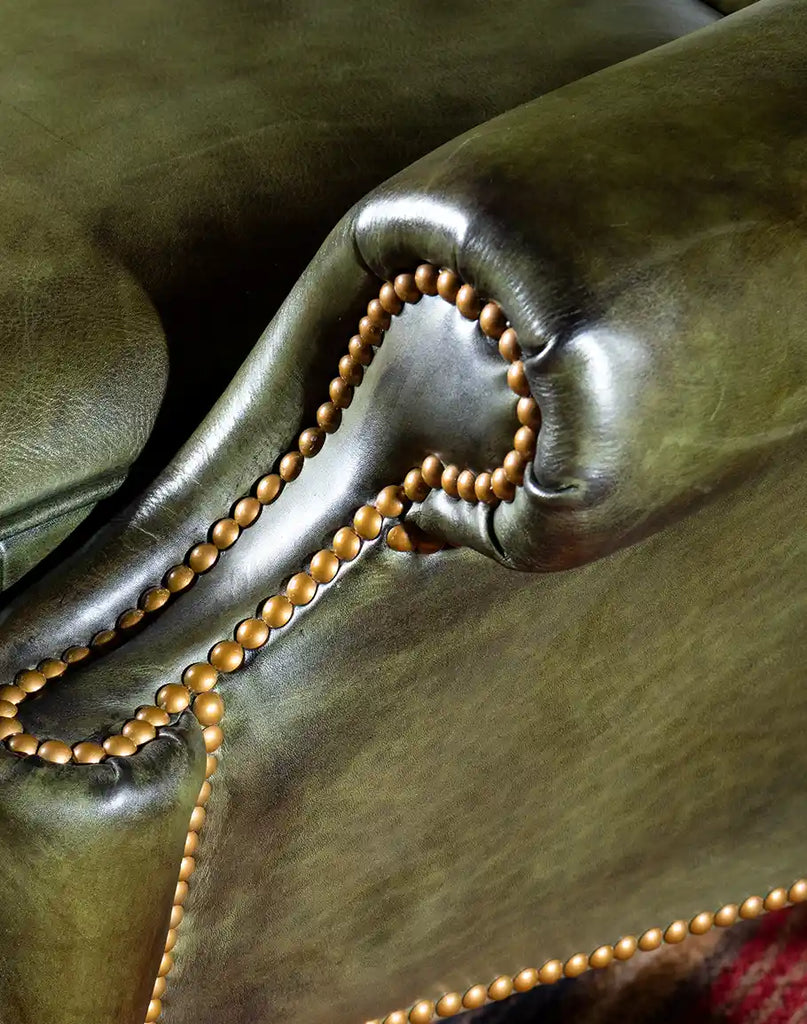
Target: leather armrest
column 644, row 229
column 84, row 367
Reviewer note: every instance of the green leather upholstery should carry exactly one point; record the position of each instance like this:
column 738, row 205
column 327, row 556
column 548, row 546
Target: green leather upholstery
column 446, row 769
column 80, row 346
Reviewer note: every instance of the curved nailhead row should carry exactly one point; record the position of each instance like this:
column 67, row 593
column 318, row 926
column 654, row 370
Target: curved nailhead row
column 425, row 1010
column 497, row 484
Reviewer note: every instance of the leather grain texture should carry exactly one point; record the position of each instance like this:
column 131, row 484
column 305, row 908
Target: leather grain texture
column 447, row 769
column 79, row 345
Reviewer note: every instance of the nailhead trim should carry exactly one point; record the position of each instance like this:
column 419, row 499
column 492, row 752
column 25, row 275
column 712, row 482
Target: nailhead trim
column 425, row 1011
column 199, row 680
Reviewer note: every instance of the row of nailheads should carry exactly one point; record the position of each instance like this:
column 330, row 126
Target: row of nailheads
column 491, row 487
column 276, row 612
column 425, row 1011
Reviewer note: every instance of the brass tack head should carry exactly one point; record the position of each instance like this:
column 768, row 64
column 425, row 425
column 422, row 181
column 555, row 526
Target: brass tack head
column 575, row 965
column 246, row 511
column 466, row 485
column 213, row 737
column 776, row 899
column 301, row 588
column 103, row 638
column 525, row 980
column 426, row 280
column 139, row 732
column 187, row 866
column 177, row 913
column 310, row 441
column 73, row 655
column 171, row 937
column 88, row 753
column 360, row 350
column 390, row 501
column 378, row 314
column 422, row 1012
column 203, row 557
column 346, row 544
column 329, row 417
column 727, row 915
column 23, row 743
column 601, row 957
column 30, row 680
column 180, row 895
column 131, row 618
column 509, row 348
column 389, row 300
column 367, row 522
column 179, row 578
column 211, row 766
column 751, row 907
column 154, row 715
column 448, row 481
column 484, row 490
column 514, row 465
column 155, row 1008
column 397, row 1017
column 13, row 694
column 651, row 939
column 167, row 961
column 432, row 471
column 501, row 988
column 414, row 485
column 209, row 708
column 468, row 302
column 626, row 947
column 524, row 442
column 277, row 611
column 370, row 334
column 226, row 656
column 10, row 727
column 252, row 634
column 54, row 751
column 199, row 677
column 268, row 488
column 191, row 844
column 528, row 413
column 475, row 997
column 448, row 285
column 225, row 533
column 503, row 489
column 160, row 985
column 7, row 709
column 492, row 320
column 399, row 538
column 676, row 932
column 551, row 972
column 197, row 821
column 154, row 598
column 119, row 746
column 324, row 566
column 798, row 891
column 173, row 698
column 341, row 393
column 517, row 379
column 52, row 668
column 425, row 543
column 701, row 923
column 350, row 371
column 291, row 466
column 406, row 288
column 449, row 1004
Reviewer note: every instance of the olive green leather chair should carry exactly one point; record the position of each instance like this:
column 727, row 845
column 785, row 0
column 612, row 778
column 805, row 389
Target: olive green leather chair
column 461, row 646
